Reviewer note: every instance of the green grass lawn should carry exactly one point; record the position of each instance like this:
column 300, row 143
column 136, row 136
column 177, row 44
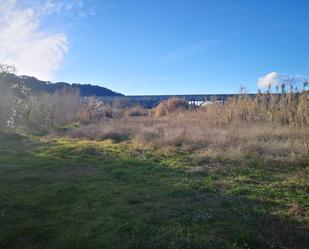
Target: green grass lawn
column 61, row 193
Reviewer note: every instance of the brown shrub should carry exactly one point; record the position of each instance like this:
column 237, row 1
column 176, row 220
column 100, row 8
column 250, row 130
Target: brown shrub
column 101, row 131
column 172, row 105
column 137, row 112
column 160, row 110
column 175, row 105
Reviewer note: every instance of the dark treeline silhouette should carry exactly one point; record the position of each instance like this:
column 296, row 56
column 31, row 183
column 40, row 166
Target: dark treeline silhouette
column 44, row 86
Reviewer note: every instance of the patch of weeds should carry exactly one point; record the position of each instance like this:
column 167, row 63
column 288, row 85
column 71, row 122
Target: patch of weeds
column 66, row 128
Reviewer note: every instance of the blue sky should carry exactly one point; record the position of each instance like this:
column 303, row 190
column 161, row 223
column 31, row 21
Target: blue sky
column 176, row 47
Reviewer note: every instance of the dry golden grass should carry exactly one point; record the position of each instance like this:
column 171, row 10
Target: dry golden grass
column 137, row 111
column 235, row 140
column 268, row 125
column 290, row 108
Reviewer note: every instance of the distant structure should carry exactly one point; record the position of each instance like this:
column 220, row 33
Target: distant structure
column 150, row 101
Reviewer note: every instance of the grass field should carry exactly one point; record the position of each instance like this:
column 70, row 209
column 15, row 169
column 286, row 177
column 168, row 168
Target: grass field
column 65, row 193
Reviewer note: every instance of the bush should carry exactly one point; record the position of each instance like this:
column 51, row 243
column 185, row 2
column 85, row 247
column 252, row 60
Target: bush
column 172, row 105
column 175, row 104
column 160, row 110
column 99, row 131
column 137, row 112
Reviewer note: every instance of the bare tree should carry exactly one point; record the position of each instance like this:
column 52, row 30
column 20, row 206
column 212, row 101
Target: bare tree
column 59, row 107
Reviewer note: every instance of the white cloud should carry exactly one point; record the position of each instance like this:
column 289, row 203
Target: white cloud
column 58, row 6
column 269, row 79
column 33, row 51
column 275, row 79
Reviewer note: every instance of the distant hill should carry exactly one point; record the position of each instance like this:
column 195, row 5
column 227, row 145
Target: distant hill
column 45, row 86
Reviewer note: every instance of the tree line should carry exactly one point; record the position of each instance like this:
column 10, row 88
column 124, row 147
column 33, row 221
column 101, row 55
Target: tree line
column 23, row 109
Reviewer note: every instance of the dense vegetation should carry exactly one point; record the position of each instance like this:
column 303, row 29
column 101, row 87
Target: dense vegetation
column 30, row 105
column 78, row 173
